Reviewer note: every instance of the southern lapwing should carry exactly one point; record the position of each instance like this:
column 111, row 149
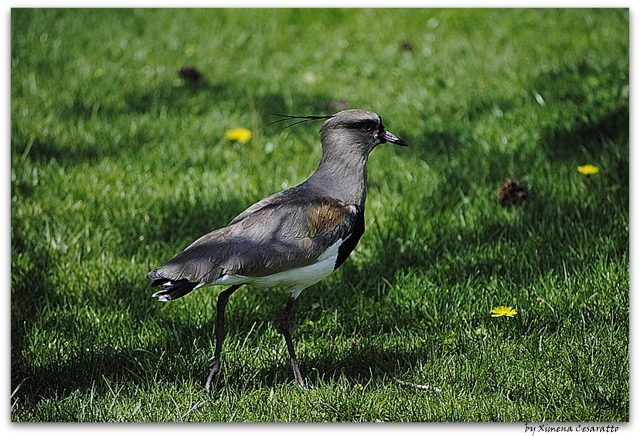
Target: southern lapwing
column 291, row 239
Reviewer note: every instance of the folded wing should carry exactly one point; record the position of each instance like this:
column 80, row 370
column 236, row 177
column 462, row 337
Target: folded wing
column 269, row 237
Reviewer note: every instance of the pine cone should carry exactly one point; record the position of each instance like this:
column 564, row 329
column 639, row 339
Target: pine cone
column 512, row 192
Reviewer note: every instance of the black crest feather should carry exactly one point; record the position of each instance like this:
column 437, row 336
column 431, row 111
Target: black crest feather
column 300, row 118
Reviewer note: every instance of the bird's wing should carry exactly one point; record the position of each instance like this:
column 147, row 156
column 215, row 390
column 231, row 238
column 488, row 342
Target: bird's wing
column 270, row 237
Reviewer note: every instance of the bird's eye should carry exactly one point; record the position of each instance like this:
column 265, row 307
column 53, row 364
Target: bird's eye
column 367, row 127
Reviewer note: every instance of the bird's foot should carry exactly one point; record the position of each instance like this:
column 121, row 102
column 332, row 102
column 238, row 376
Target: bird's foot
column 212, row 380
column 297, row 375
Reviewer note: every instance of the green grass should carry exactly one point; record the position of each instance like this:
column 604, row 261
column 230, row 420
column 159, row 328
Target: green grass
column 118, row 164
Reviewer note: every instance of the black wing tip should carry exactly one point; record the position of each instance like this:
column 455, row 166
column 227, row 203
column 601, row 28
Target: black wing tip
column 173, row 289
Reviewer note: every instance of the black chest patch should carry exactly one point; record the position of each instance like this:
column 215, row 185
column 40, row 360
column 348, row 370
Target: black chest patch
column 352, row 240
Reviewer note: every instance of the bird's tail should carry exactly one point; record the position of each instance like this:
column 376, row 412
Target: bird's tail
column 172, row 289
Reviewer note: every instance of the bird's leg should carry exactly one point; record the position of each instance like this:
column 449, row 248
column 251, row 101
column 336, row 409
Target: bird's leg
column 223, row 299
column 285, row 328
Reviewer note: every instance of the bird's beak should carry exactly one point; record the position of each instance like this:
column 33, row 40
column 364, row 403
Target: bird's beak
column 390, row 137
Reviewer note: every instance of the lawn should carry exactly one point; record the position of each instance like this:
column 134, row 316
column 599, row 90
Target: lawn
column 118, row 162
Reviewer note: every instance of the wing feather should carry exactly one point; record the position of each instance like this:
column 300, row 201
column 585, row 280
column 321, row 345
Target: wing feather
column 269, row 237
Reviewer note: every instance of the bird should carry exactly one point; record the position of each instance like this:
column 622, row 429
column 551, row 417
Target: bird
column 291, row 239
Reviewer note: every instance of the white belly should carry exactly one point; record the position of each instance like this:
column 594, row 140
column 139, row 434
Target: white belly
column 295, row 279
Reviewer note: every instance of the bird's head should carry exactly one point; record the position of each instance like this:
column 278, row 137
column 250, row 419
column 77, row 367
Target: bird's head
column 356, row 131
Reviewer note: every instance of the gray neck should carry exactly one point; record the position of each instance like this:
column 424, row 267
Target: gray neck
column 344, row 178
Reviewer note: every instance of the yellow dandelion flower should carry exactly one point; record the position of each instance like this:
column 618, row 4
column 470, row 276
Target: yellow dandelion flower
column 503, row 311
column 240, row 134
column 587, row 170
